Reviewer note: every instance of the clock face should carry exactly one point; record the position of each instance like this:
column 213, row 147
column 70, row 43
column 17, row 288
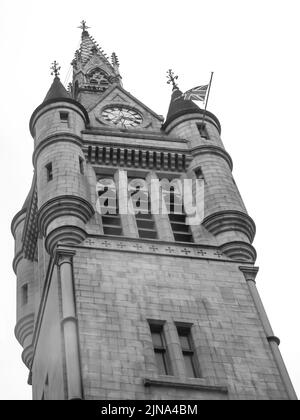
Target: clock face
column 121, row 116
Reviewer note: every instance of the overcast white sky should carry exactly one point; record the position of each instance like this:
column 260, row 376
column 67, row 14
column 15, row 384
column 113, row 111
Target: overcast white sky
column 253, row 48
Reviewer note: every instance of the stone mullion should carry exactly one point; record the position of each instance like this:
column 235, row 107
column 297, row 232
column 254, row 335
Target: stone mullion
column 128, row 220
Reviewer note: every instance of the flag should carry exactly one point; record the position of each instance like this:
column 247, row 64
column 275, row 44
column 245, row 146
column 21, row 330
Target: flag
column 197, row 93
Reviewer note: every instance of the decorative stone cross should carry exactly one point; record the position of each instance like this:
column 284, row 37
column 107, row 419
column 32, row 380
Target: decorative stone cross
column 106, row 244
column 137, row 246
column 218, row 254
column 201, row 252
column 153, row 248
column 169, row 249
column 121, row 245
column 186, row 251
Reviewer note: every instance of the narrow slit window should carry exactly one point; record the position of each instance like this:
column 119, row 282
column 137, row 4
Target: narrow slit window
column 199, row 173
column 49, row 172
column 81, row 167
column 24, row 294
column 160, row 349
column 203, row 130
column 187, row 348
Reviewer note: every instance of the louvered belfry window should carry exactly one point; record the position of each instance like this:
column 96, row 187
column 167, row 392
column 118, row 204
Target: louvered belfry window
column 108, row 207
column 139, row 192
column 173, row 201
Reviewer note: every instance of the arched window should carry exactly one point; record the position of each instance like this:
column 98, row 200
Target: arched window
column 97, row 77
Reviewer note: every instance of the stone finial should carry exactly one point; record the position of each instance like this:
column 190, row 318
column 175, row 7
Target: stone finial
column 115, row 60
column 55, row 68
column 83, row 26
column 172, row 78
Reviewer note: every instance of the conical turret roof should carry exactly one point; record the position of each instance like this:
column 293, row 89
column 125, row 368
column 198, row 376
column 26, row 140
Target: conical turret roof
column 180, row 106
column 57, row 91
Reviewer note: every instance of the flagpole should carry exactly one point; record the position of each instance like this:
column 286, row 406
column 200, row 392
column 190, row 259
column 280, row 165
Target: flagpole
column 204, row 113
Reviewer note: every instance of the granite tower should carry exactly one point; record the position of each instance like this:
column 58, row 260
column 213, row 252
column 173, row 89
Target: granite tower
column 116, row 305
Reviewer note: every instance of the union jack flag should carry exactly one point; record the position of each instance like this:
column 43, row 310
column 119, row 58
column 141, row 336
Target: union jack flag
column 197, row 93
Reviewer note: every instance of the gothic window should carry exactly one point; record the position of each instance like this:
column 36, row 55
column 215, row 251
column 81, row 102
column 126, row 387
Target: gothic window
column 140, row 199
column 160, row 349
column 107, row 206
column 203, row 131
column 187, row 348
column 98, row 78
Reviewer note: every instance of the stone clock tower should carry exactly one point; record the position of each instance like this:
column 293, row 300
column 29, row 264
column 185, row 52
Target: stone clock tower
column 136, row 305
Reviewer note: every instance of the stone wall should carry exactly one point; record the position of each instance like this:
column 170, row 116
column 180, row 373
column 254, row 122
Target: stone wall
column 118, row 292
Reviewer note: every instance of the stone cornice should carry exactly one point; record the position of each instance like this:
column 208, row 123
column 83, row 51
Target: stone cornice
column 191, row 115
column 64, row 205
column 64, row 234
column 230, row 220
column 274, row 339
column 54, row 138
column 24, row 327
column 62, row 253
column 137, row 158
column 17, row 258
column 136, row 135
column 249, row 272
column 155, row 247
column 17, row 219
column 238, row 250
column 27, row 355
column 214, row 150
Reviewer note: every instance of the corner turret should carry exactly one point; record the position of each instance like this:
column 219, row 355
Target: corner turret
column 225, row 215
column 63, row 191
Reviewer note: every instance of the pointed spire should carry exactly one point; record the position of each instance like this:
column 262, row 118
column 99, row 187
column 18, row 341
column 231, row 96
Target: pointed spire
column 57, row 89
column 88, row 47
column 93, row 70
